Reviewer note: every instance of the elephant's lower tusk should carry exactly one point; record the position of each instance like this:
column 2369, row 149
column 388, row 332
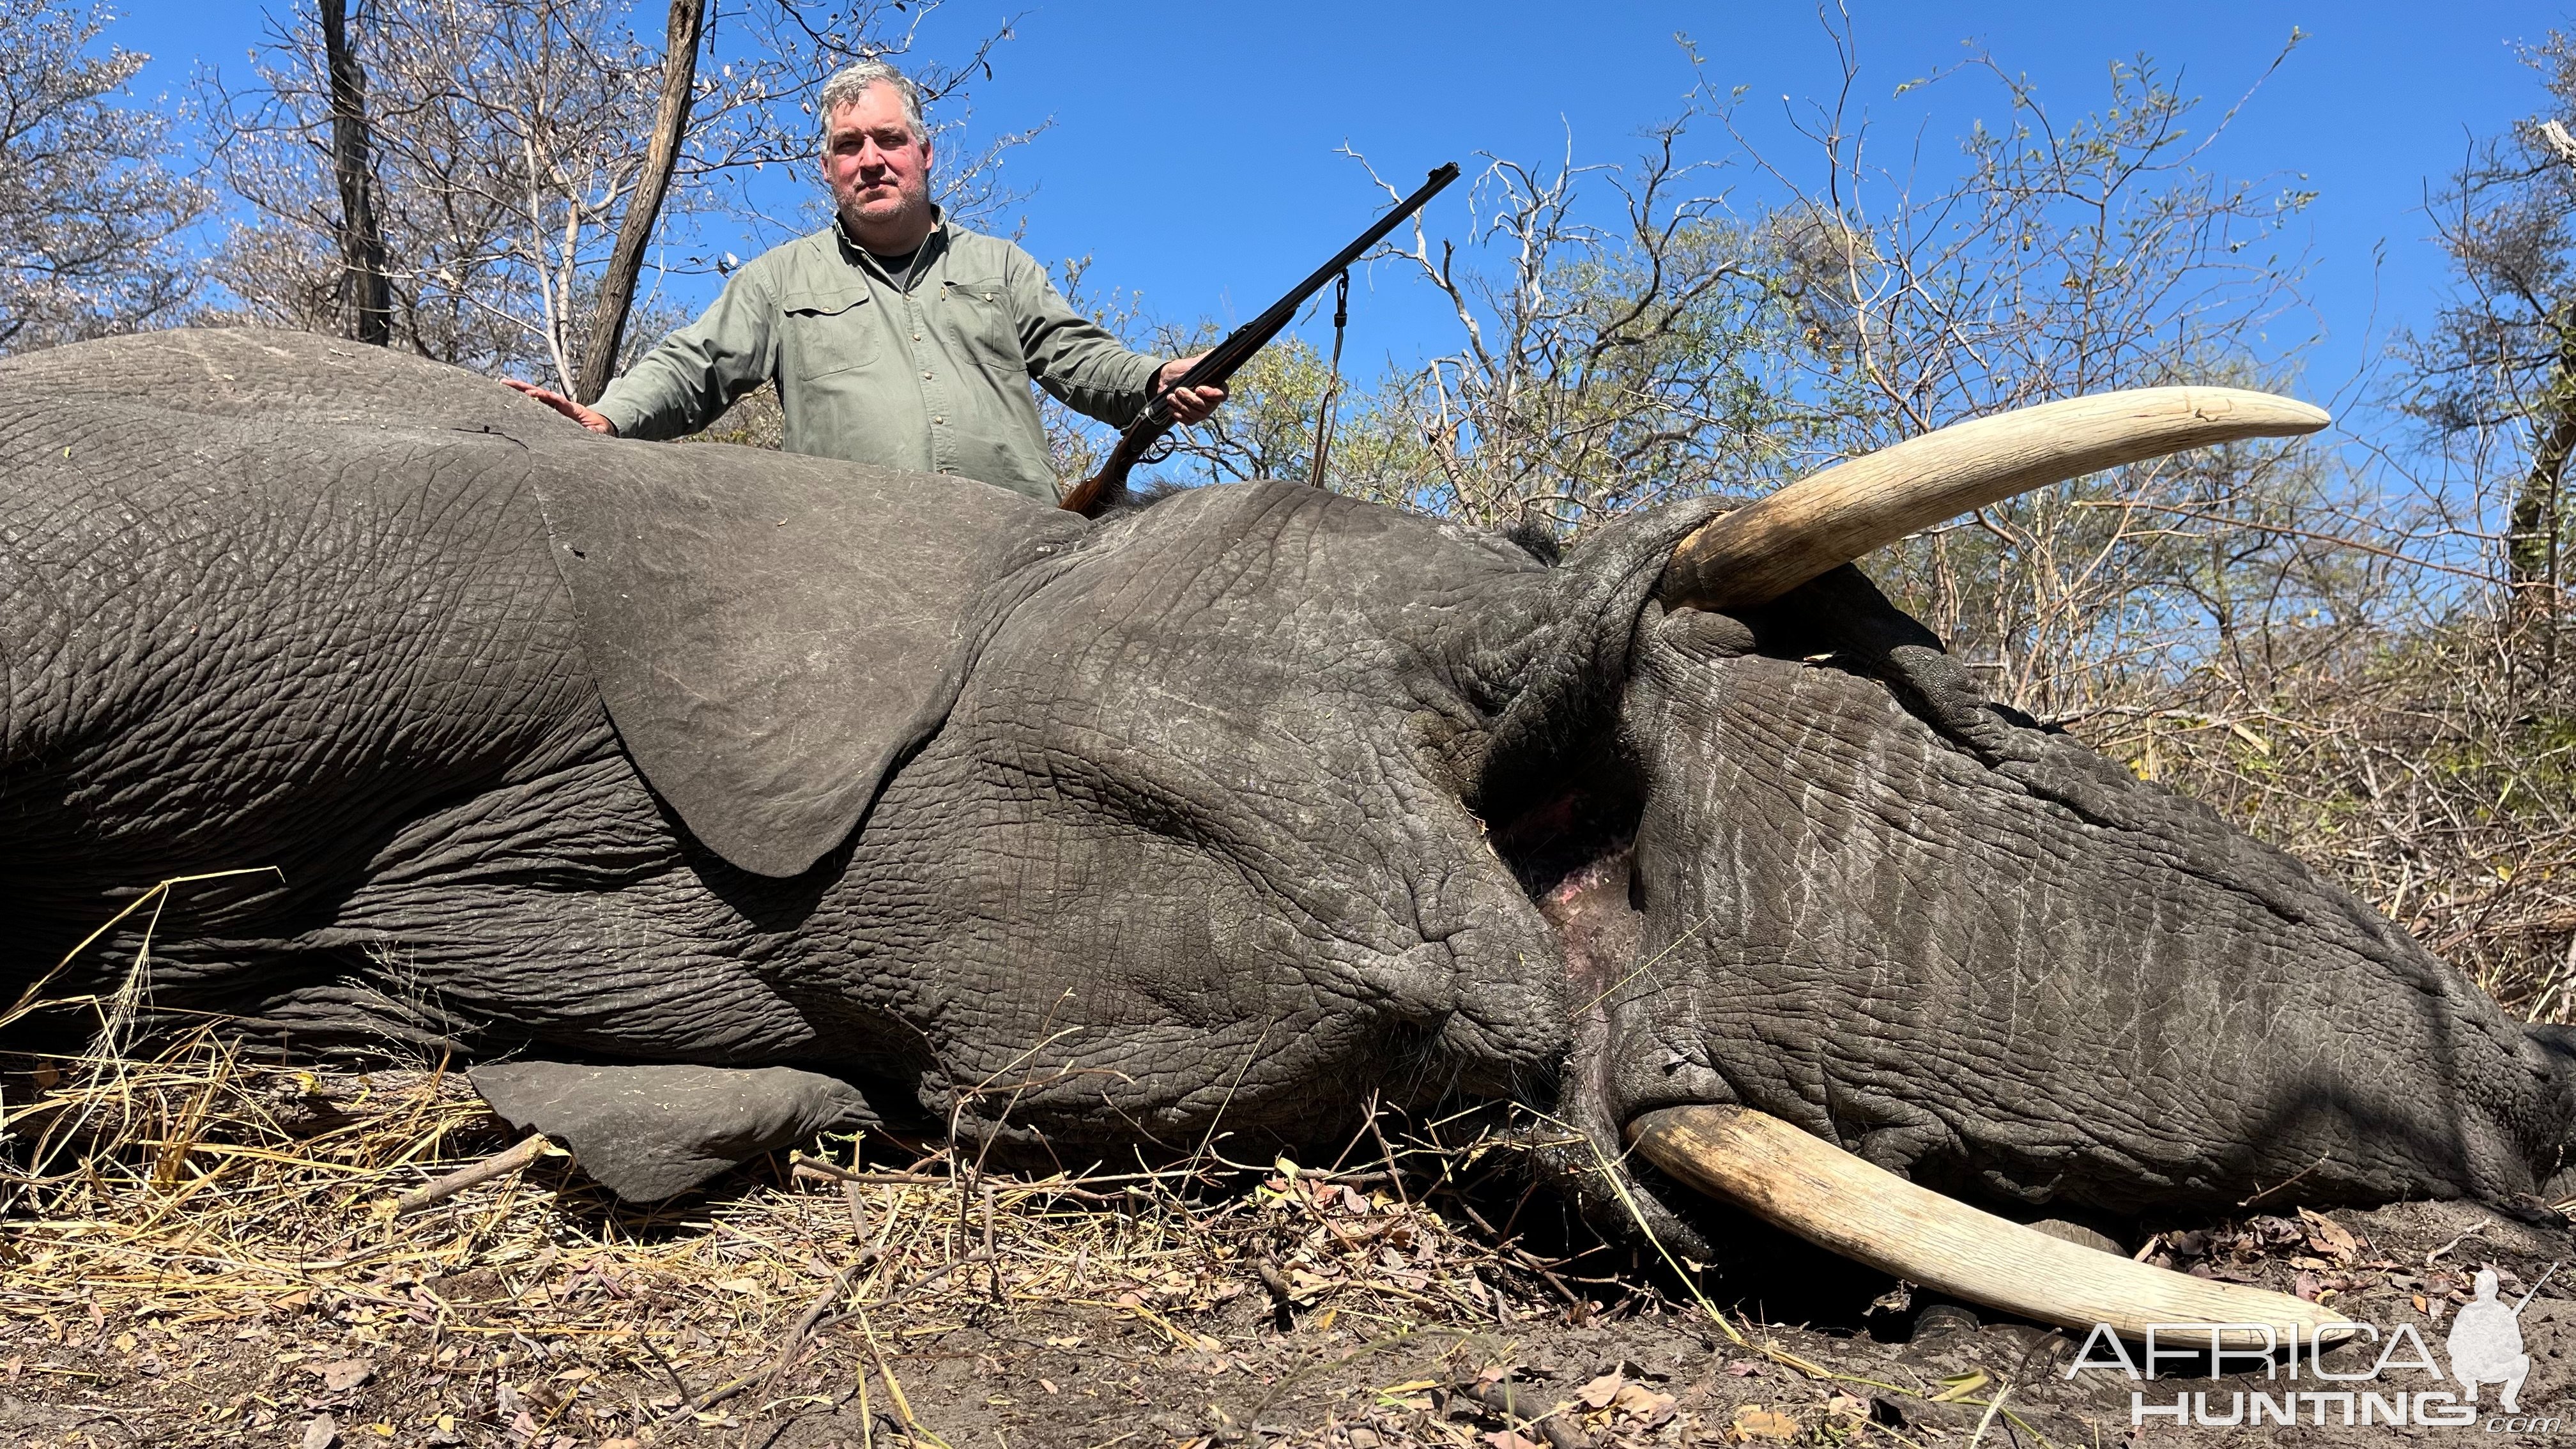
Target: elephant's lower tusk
column 1759, row 552
column 1816, row 1190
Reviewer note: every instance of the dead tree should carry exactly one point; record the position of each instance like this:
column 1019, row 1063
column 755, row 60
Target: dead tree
column 363, row 287
column 635, row 228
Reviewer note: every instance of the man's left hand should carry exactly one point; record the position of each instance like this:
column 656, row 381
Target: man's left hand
column 1187, row 404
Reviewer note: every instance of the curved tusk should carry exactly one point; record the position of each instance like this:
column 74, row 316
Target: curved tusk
column 1810, row 1187
column 1757, row 553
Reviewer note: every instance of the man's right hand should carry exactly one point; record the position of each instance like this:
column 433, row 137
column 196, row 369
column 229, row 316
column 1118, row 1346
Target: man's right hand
column 590, row 418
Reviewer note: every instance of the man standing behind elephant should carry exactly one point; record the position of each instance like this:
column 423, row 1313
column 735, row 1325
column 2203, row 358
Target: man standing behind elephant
column 894, row 336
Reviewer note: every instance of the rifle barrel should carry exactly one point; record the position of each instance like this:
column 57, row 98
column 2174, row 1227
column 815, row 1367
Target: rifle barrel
column 1257, row 332
column 1222, row 360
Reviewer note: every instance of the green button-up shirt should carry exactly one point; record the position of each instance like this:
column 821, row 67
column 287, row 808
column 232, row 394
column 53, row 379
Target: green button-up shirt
column 932, row 376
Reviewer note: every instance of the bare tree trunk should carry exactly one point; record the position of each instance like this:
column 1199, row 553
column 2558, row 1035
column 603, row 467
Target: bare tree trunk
column 363, row 285
column 2532, row 530
column 626, row 262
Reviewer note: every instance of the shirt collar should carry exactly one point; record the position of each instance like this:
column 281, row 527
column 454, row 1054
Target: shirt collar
column 858, row 255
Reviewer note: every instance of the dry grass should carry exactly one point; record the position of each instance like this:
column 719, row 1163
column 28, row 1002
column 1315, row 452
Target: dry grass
column 202, row 1197
column 202, row 1246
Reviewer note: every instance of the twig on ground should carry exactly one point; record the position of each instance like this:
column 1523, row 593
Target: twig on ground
column 796, row 1335
column 1394, row 1174
column 499, row 1164
column 1283, row 1299
column 992, row 1259
column 644, row 1336
column 819, row 1168
column 1520, row 1412
column 1520, row 1255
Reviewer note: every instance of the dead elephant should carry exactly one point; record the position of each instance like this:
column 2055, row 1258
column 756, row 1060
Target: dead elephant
column 856, row 795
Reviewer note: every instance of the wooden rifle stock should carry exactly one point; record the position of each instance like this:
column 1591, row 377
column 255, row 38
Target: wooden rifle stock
column 1098, row 491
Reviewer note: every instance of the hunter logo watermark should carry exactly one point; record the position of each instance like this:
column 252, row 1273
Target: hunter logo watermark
column 2484, row 1347
column 2486, row 1342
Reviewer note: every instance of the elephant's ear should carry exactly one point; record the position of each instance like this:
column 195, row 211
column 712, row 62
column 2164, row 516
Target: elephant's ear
column 771, row 633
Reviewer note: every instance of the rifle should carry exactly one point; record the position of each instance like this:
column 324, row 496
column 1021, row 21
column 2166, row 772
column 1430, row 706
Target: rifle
column 1096, row 492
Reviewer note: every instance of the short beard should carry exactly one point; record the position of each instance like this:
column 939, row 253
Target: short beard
column 845, row 208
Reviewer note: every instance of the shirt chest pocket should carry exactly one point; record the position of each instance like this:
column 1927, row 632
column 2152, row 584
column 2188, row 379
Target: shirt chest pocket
column 980, row 312
column 827, row 331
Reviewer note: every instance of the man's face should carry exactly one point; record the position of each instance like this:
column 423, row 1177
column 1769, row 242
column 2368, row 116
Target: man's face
column 879, row 170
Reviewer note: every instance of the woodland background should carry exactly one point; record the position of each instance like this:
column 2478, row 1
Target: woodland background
column 2358, row 648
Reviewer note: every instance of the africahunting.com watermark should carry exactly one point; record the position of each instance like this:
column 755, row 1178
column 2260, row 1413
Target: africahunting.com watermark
column 2484, row 1347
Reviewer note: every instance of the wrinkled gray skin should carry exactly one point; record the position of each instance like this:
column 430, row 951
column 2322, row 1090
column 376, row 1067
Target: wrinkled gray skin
column 1228, row 812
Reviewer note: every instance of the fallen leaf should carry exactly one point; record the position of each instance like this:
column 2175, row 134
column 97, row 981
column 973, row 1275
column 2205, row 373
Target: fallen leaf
column 1847, row 1407
column 2331, row 1237
column 737, row 1285
column 125, row 1343
column 1354, row 1203
column 347, row 1373
column 321, row 1433
column 1756, row 1422
column 1507, row 1439
column 1743, row 1368
column 1644, row 1404
column 1598, row 1393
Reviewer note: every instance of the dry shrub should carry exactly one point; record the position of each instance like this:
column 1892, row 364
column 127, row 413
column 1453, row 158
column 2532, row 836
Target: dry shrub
column 2430, row 770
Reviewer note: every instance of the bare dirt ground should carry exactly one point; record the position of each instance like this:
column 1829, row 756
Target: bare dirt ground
column 203, row 1251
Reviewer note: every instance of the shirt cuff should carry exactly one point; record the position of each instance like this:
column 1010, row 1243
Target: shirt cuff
column 622, row 413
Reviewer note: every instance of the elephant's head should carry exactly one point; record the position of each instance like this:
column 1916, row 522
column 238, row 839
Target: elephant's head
column 1318, row 801
column 1861, row 900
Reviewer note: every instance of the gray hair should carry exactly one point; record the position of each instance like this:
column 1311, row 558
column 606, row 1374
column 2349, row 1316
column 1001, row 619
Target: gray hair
column 852, row 81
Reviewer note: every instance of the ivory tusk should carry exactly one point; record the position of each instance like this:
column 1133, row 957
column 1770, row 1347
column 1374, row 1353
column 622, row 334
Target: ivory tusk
column 1757, row 553
column 1829, row 1197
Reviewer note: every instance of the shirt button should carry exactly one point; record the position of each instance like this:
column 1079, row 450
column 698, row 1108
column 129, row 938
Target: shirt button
column 925, row 377
column 939, row 420
column 916, row 337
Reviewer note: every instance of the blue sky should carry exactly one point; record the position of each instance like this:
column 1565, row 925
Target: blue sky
column 1191, row 150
